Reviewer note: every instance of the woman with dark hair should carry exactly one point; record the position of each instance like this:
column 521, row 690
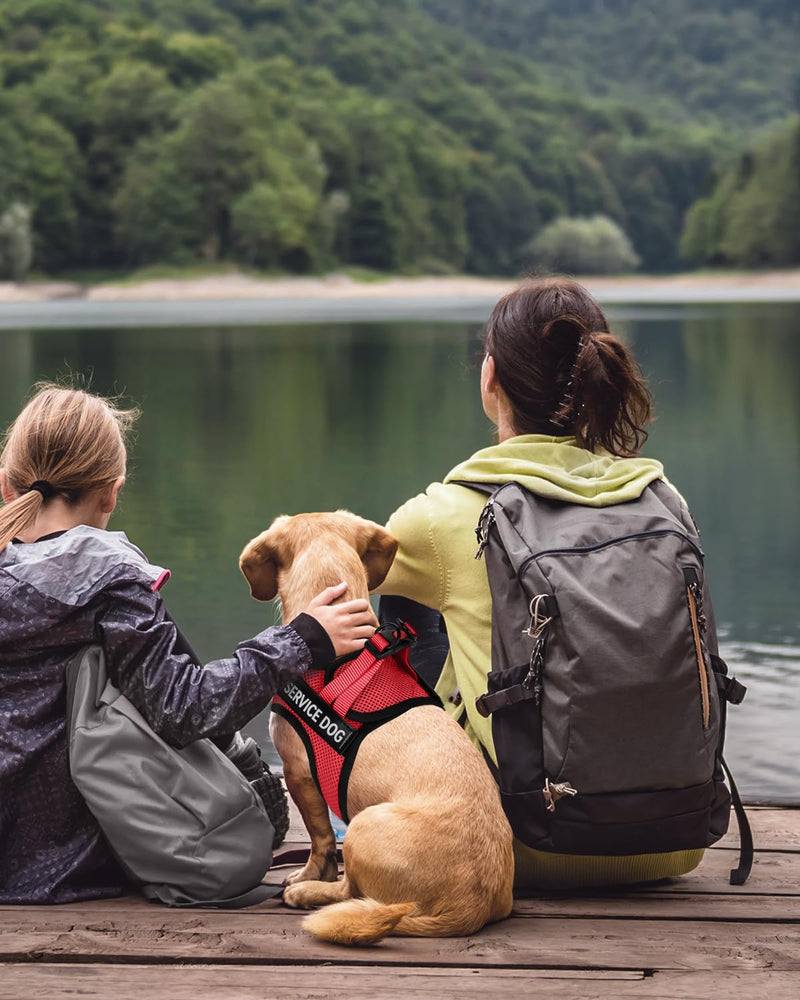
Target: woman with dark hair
column 571, row 407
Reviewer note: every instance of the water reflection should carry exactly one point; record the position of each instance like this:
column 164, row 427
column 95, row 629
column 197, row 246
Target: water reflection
column 241, row 424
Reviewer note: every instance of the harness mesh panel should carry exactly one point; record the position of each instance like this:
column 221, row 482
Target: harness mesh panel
column 393, row 689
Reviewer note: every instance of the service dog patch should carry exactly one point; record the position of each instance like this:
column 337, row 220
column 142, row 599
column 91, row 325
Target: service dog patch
column 318, row 715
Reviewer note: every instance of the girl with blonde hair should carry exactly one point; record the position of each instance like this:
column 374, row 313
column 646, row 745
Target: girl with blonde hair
column 66, row 582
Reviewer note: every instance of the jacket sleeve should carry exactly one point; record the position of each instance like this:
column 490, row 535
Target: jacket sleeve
column 417, row 571
column 182, row 699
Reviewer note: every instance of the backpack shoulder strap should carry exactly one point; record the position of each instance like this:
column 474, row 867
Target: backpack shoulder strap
column 674, row 504
column 86, row 679
column 487, row 488
column 739, row 874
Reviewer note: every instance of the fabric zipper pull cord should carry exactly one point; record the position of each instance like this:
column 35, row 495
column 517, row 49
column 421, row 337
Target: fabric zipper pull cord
column 485, row 522
column 533, row 678
column 552, row 792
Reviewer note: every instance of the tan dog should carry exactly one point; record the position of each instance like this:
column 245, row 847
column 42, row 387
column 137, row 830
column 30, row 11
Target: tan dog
column 428, row 850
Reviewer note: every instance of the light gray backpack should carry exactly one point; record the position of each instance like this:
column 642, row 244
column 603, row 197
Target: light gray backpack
column 184, row 824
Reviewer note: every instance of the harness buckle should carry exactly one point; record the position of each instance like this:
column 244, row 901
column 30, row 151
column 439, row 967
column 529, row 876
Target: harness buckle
column 390, row 638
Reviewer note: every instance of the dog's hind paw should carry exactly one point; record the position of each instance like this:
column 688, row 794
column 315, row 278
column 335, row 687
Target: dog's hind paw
column 308, row 895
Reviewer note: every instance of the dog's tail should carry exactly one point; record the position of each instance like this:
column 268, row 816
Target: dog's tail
column 357, row 921
column 366, row 921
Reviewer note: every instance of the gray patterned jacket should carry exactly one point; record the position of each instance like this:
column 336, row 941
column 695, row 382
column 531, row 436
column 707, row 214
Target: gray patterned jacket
column 57, row 595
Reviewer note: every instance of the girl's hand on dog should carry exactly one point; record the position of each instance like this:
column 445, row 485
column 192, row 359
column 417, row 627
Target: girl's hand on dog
column 348, row 625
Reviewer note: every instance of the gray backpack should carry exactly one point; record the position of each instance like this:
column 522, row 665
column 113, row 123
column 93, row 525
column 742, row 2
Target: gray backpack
column 184, row 824
column 606, row 693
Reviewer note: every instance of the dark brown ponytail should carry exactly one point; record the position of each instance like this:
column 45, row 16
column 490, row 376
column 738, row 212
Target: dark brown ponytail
column 563, row 371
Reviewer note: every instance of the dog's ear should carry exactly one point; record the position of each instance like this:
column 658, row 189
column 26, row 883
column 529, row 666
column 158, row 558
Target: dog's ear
column 377, row 549
column 259, row 562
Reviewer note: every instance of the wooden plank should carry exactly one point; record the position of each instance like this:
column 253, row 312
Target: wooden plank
column 657, row 903
column 130, row 982
column 744, row 907
column 644, row 906
column 257, row 982
column 773, row 872
column 774, row 829
column 533, row 941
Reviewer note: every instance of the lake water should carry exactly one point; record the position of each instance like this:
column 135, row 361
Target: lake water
column 241, row 423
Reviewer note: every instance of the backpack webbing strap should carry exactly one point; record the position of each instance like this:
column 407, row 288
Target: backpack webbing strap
column 486, row 704
column 739, row 875
column 344, row 689
column 341, row 692
column 732, row 691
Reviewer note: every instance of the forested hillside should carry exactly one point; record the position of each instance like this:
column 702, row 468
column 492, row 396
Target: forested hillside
column 730, row 59
column 752, row 216
column 311, row 134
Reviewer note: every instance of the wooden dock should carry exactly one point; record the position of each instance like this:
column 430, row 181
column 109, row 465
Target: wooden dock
column 694, row 937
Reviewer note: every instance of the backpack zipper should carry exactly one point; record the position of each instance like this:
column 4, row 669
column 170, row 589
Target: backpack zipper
column 603, row 545
column 485, row 522
column 694, row 614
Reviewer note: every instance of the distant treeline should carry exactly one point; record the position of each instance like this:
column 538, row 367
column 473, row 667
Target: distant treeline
column 310, row 134
column 735, row 60
column 752, row 216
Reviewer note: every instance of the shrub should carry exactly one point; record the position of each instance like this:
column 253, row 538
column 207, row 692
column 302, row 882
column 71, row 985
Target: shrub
column 595, row 245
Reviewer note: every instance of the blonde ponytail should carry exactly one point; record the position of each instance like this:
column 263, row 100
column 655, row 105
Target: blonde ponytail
column 66, row 443
column 15, row 517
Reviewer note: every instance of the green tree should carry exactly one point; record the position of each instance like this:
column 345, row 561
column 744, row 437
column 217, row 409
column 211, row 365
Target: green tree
column 16, row 242
column 502, row 210
column 44, row 170
column 158, row 215
column 593, row 245
column 752, row 217
column 273, row 222
column 205, row 164
column 229, row 167
column 192, row 59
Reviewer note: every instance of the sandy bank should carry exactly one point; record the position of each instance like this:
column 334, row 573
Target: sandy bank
column 763, row 284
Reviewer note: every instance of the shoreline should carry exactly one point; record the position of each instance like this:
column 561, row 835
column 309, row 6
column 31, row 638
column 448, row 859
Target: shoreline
column 778, row 285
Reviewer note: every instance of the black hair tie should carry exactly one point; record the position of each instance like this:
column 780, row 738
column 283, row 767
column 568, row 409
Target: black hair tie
column 46, row 489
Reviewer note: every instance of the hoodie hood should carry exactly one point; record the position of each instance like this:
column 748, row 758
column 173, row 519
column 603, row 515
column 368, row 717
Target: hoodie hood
column 69, row 569
column 557, row 468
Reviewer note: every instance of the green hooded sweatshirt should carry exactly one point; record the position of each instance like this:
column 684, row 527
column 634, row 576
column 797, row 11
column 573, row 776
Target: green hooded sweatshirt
column 436, row 565
column 557, row 468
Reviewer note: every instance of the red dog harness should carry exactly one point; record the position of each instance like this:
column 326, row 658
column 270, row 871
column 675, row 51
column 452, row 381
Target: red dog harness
column 334, row 709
